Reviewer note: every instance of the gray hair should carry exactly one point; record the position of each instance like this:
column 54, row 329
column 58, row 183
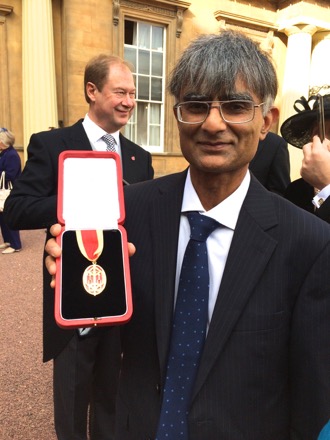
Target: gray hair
column 7, row 137
column 212, row 64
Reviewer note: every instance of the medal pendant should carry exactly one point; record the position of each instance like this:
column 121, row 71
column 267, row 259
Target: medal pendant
column 94, row 279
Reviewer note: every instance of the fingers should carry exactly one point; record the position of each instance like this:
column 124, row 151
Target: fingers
column 51, row 267
column 54, row 251
column 307, row 148
column 55, row 230
column 52, row 248
column 131, row 249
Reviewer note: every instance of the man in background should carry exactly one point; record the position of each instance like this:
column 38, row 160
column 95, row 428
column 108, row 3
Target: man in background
column 82, row 360
column 271, row 163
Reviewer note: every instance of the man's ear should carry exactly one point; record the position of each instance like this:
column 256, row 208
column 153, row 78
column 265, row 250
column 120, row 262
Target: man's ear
column 269, row 119
column 90, row 90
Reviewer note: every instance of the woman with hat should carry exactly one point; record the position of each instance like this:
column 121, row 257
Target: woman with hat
column 301, row 130
column 10, row 163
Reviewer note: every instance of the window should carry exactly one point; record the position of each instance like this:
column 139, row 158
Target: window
column 144, row 49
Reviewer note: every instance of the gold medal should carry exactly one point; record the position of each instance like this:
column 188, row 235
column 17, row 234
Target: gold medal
column 90, row 243
column 94, row 279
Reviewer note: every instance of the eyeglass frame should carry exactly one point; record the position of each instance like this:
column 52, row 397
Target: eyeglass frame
column 209, row 107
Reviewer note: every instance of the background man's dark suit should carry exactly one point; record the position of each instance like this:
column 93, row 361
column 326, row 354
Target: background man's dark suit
column 271, row 163
column 33, row 205
column 301, row 194
column 39, row 209
column 261, row 368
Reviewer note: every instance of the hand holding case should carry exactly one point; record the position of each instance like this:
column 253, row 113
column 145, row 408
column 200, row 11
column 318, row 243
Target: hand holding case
column 91, row 208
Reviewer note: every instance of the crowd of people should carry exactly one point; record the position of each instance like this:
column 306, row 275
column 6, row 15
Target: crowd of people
column 251, row 361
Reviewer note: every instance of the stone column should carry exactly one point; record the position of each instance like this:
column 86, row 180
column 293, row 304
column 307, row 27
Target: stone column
column 4, row 73
column 39, row 82
column 320, row 65
column 297, row 67
column 296, row 79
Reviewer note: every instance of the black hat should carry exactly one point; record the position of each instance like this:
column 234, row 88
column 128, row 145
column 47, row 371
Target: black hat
column 297, row 130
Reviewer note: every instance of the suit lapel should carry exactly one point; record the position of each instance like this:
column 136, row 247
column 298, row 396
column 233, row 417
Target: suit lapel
column 165, row 218
column 77, row 139
column 129, row 159
column 250, row 251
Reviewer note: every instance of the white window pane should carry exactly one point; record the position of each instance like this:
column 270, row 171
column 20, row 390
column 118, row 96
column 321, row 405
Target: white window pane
column 130, row 55
column 143, row 87
column 128, row 132
column 157, row 64
column 157, row 38
column 144, row 35
column 156, row 89
column 144, row 62
column 142, row 123
column 155, row 113
column 154, row 136
column 130, row 127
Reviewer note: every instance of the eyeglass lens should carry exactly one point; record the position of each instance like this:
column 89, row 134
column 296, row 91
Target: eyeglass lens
column 194, row 112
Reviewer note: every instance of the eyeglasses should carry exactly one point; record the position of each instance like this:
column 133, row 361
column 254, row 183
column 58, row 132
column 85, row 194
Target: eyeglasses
column 233, row 112
column 3, row 129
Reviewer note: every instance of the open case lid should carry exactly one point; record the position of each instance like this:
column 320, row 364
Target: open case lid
column 91, row 199
column 86, row 199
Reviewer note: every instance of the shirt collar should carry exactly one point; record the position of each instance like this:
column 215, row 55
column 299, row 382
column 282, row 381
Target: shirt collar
column 95, row 132
column 226, row 212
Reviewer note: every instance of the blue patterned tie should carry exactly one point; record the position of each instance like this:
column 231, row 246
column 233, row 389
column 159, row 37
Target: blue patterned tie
column 110, row 141
column 188, row 332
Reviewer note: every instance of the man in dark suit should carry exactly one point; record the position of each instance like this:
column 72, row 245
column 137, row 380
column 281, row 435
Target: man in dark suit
column 312, row 191
column 81, row 363
column 263, row 372
column 271, row 163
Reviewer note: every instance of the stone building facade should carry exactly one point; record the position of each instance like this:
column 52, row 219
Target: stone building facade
column 45, row 45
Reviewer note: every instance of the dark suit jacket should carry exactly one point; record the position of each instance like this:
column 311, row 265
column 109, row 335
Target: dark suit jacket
column 33, row 202
column 301, row 194
column 271, row 163
column 265, row 370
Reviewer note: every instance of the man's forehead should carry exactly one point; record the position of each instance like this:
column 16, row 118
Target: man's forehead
column 218, row 92
column 208, row 96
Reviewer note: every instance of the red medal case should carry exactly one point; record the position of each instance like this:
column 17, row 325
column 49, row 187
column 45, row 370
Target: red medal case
column 90, row 199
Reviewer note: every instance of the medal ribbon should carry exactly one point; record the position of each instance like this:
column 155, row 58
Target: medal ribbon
column 90, row 243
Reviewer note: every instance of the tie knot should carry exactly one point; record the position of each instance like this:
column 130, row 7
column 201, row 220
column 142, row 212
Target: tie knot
column 201, row 226
column 110, row 141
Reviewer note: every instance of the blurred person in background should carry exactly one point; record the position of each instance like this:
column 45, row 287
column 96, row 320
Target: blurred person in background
column 271, row 163
column 10, row 163
column 311, row 191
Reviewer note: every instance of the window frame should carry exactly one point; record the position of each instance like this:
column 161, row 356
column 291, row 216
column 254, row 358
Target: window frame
column 132, row 127
column 163, row 16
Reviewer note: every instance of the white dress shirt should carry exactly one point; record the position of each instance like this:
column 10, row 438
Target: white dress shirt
column 219, row 241
column 95, row 133
column 321, row 196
